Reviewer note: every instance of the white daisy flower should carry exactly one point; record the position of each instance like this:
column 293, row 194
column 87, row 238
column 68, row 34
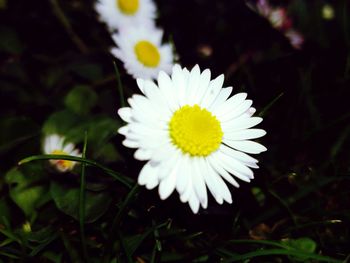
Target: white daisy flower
column 142, row 52
column 55, row 144
column 118, row 14
column 192, row 135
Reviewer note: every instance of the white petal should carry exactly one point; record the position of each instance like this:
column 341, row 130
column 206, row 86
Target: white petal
column 220, row 98
column 240, row 123
column 244, row 134
column 222, row 172
column 123, row 130
column 143, row 154
column 155, row 96
column 167, row 186
column 184, row 197
column 125, row 114
column 166, row 86
column 203, row 85
column 167, row 167
column 193, row 84
column 246, row 146
column 194, row 203
column 148, row 175
column 229, row 166
column 212, row 92
column 179, row 84
column 240, row 110
column 240, row 156
column 68, row 148
column 230, row 105
column 198, row 182
column 131, row 144
column 210, row 180
column 140, row 84
column 184, row 174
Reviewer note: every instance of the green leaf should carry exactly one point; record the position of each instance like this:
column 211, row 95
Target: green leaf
column 67, row 200
column 24, row 188
column 303, row 244
column 81, row 99
column 9, row 41
column 61, row 122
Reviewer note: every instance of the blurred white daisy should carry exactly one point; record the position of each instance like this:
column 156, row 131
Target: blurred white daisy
column 142, row 52
column 55, row 144
column 192, row 135
column 118, row 14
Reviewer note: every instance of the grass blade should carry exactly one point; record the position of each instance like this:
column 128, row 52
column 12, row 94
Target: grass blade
column 268, row 106
column 82, row 202
column 280, row 251
column 120, row 86
column 119, row 177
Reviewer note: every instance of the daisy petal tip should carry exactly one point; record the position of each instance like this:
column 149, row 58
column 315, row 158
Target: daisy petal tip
column 220, row 201
column 140, row 83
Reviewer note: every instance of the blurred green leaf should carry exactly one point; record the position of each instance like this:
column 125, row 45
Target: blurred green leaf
column 3, row 4
column 54, row 257
column 67, row 200
column 4, row 211
column 81, row 99
column 108, row 153
column 41, row 235
column 61, row 122
column 88, row 71
column 304, row 244
column 9, row 41
column 25, row 189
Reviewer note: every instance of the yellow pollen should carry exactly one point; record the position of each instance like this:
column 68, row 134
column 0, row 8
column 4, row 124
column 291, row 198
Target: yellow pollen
column 195, row 131
column 62, row 163
column 128, row 7
column 147, row 53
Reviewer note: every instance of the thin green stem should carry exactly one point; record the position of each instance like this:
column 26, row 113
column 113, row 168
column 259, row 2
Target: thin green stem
column 268, row 106
column 82, row 202
column 67, row 26
column 120, row 86
column 119, row 177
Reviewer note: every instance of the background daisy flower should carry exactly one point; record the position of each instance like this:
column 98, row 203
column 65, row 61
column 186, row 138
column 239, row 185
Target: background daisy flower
column 55, row 144
column 193, row 135
column 118, row 14
column 142, row 52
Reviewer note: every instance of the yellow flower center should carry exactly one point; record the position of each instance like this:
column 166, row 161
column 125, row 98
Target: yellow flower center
column 128, row 7
column 147, row 53
column 195, row 131
column 65, row 164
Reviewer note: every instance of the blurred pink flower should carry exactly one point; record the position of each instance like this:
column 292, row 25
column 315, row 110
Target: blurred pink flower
column 295, row 38
column 278, row 18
